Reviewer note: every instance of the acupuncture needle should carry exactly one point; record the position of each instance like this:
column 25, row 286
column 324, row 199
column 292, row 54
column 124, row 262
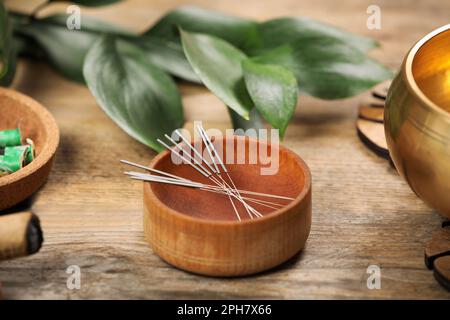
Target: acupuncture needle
column 184, row 152
column 193, row 149
column 199, row 155
column 182, row 157
column 152, row 178
column 211, row 149
column 214, row 170
column 217, row 171
column 195, row 160
column 149, row 177
column 260, row 194
column 152, row 170
column 192, row 183
column 208, row 175
column 257, row 201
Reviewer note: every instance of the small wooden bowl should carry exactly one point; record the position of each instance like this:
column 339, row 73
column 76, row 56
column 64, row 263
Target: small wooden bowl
column 37, row 124
column 198, row 231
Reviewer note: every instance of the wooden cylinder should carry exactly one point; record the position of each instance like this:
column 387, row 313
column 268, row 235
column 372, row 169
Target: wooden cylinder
column 20, row 235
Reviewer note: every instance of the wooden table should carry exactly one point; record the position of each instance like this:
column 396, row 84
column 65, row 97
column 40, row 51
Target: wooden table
column 363, row 213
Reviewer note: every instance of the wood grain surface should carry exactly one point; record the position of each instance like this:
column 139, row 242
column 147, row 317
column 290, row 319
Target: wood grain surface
column 363, row 213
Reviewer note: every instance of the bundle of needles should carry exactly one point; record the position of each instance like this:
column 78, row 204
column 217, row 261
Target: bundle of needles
column 216, row 172
column 13, row 154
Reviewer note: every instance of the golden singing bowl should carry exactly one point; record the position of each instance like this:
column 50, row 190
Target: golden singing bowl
column 417, row 119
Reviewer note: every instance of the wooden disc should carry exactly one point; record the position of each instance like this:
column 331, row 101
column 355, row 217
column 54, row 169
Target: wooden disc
column 372, row 134
column 437, row 255
column 438, row 246
column 442, row 271
column 380, row 90
column 374, row 102
column 370, row 122
column 371, row 113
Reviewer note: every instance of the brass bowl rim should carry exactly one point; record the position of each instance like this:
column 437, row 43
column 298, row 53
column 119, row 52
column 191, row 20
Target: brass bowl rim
column 407, row 70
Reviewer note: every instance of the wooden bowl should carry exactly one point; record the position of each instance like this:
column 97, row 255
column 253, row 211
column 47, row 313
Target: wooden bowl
column 37, row 124
column 198, row 231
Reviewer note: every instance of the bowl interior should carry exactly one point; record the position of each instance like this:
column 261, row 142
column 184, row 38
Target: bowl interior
column 289, row 181
column 14, row 113
column 431, row 69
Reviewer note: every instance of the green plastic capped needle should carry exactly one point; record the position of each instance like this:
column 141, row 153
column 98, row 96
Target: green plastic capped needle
column 10, row 138
column 11, row 163
column 25, row 152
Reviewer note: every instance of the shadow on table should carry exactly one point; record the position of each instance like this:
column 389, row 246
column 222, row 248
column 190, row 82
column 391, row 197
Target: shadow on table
column 22, row 206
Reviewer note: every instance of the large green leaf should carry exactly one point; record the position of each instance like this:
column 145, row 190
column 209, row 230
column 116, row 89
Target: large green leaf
column 273, row 90
column 91, row 3
column 8, row 77
column 143, row 100
column 240, row 32
column 254, row 122
column 327, row 68
column 167, row 55
column 218, row 64
column 278, row 32
column 66, row 49
column 7, row 54
column 4, row 38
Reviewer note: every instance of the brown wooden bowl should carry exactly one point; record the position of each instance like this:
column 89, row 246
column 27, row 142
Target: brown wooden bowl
column 198, row 231
column 37, row 124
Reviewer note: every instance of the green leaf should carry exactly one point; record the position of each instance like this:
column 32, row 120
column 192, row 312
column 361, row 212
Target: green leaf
column 168, row 56
column 91, row 3
column 164, row 48
column 218, row 64
column 240, row 32
column 255, row 122
column 7, row 52
column 140, row 98
column 65, row 49
column 8, row 77
column 273, row 89
column 278, row 32
column 327, row 68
